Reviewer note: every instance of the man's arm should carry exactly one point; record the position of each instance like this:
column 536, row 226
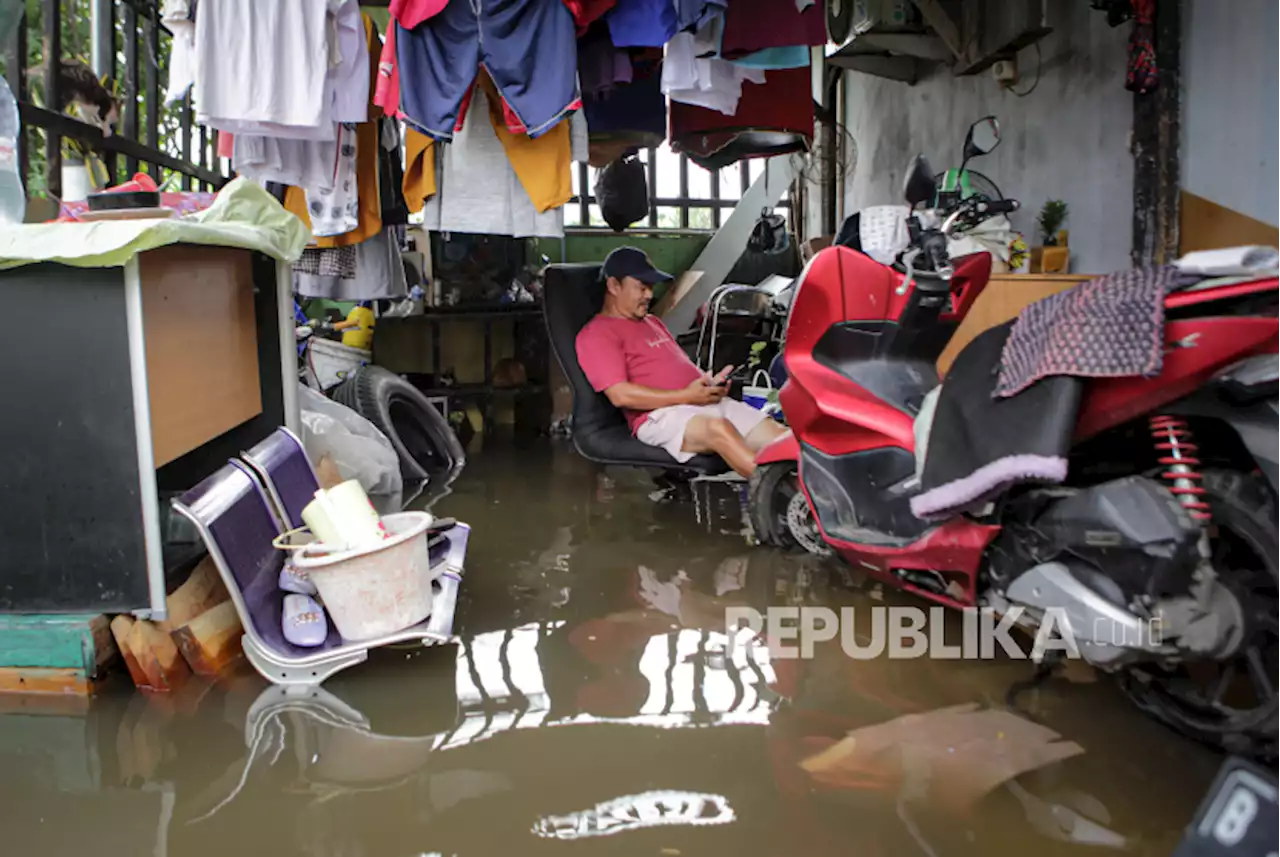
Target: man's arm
column 639, row 398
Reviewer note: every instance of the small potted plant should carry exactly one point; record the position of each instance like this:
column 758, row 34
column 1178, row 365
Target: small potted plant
column 1052, row 256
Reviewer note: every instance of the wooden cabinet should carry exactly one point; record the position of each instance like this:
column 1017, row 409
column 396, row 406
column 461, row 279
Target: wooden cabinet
column 123, row 385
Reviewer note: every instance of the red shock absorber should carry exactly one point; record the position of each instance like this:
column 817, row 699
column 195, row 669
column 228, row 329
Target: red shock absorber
column 1175, row 443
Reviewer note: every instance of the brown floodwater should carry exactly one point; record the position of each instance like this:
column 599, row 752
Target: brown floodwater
column 592, row 706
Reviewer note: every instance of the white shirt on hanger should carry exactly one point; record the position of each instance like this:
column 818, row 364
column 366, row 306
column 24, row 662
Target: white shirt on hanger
column 263, row 62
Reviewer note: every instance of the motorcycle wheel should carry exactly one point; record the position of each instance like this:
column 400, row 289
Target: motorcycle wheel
column 771, row 488
column 779, row 512
column 1231, row 704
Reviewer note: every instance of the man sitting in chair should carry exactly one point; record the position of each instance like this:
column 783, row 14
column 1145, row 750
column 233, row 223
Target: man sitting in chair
column 633, row 359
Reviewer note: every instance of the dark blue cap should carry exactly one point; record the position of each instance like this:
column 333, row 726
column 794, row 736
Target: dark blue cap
column 633, row 262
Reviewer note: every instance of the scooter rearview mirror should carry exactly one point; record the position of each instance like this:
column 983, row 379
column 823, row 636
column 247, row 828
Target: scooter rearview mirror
column 983, row 137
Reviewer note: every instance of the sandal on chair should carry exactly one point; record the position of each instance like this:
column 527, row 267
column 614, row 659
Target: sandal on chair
column 303, row 621
column 294, row 579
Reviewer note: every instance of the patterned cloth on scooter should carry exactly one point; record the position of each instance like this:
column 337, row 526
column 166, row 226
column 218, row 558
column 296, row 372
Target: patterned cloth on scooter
column 1109, row 327
column 1008, row 408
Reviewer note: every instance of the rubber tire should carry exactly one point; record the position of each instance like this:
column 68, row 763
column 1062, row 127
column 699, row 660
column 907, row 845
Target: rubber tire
column 422, row 437
column 763, row 490
column 1250, row 508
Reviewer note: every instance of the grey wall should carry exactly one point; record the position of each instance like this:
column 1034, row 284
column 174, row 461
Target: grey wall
column 1068, row 139
column 1229, row 97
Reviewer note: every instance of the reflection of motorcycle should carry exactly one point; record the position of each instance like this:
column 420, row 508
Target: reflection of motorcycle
column 1149, row 532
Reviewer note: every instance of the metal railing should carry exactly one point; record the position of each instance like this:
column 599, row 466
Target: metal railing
column 138, row 58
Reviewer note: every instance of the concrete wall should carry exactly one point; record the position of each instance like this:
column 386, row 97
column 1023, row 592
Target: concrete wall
column 1068, row 139
column 1229, row 97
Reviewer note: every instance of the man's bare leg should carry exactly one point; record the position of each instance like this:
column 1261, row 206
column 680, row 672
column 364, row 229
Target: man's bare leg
column 764, row 434
column 716, row 434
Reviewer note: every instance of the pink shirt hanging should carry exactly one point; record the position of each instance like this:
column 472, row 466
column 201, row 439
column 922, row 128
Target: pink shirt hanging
column 411, row 13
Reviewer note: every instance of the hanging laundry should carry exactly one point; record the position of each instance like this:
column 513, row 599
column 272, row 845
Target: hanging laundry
column 408, row 14
column 395, row 211
column 304, row 163
column 1142, row 75
column 634, row 114
column 544, row 165
column 351, row 82
column 793, row 56
column 335, row 210
column 587, row 12
column 696, row 14
column 387, row 90
column 370, row 270
column 479, row 187
column 369, row 217
column 419, row 182
column 642, row 23
column 262, row 62
column 750, row 27
column 287, row 69
column 178, row 16
column 712, row 83
column 528, row 48
column 602, row 65
column 773, row 118
column 411, row 13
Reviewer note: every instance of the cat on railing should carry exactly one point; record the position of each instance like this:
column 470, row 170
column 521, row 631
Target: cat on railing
column 79, row 86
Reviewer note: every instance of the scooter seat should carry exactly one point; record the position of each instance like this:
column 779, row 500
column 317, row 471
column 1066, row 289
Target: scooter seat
column 573, row 295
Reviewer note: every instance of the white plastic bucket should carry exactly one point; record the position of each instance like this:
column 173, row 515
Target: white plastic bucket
column 375, row 591
column 329, row 363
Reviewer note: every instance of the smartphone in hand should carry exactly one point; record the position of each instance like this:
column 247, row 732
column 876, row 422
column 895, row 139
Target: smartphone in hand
column 722, row 376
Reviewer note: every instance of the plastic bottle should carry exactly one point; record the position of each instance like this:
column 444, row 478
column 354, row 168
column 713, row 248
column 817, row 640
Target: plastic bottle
column 13, row 199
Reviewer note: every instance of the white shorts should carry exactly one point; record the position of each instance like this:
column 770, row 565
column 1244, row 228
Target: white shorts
column 665, row 427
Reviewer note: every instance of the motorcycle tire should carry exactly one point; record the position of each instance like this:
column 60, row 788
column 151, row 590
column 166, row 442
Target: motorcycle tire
column 768, row 493
column 1244, row 508
column 421, row 436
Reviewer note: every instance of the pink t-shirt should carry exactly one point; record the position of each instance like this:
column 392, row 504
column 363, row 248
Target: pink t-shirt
column 411, row 13
column 613, row 350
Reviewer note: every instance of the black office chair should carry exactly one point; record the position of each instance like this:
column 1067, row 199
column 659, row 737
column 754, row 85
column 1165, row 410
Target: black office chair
column 572, row 295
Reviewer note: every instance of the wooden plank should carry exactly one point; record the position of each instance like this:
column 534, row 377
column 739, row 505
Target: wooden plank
column 56, row 641
column 210, row 643
column 158, row 657
column 152, row 658
column 202, row 591
column 1004, row 297
column 32, row 680
column 1205, row 225
column 202, row 345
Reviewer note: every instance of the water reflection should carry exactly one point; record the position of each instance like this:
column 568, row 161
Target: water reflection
column 633, row 812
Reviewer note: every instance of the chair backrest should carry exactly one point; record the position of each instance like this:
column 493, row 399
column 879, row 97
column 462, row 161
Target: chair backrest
column 572, row 296
column 236, row 522
column 281, row 463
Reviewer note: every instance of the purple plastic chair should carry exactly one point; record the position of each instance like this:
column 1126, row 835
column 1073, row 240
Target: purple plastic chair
column 234, row 516
column 280, row 462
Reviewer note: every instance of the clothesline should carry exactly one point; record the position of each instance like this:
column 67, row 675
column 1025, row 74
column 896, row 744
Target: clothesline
column 481, row 108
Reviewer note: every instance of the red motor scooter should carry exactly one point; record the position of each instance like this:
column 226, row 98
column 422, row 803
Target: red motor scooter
column 1167, row 516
